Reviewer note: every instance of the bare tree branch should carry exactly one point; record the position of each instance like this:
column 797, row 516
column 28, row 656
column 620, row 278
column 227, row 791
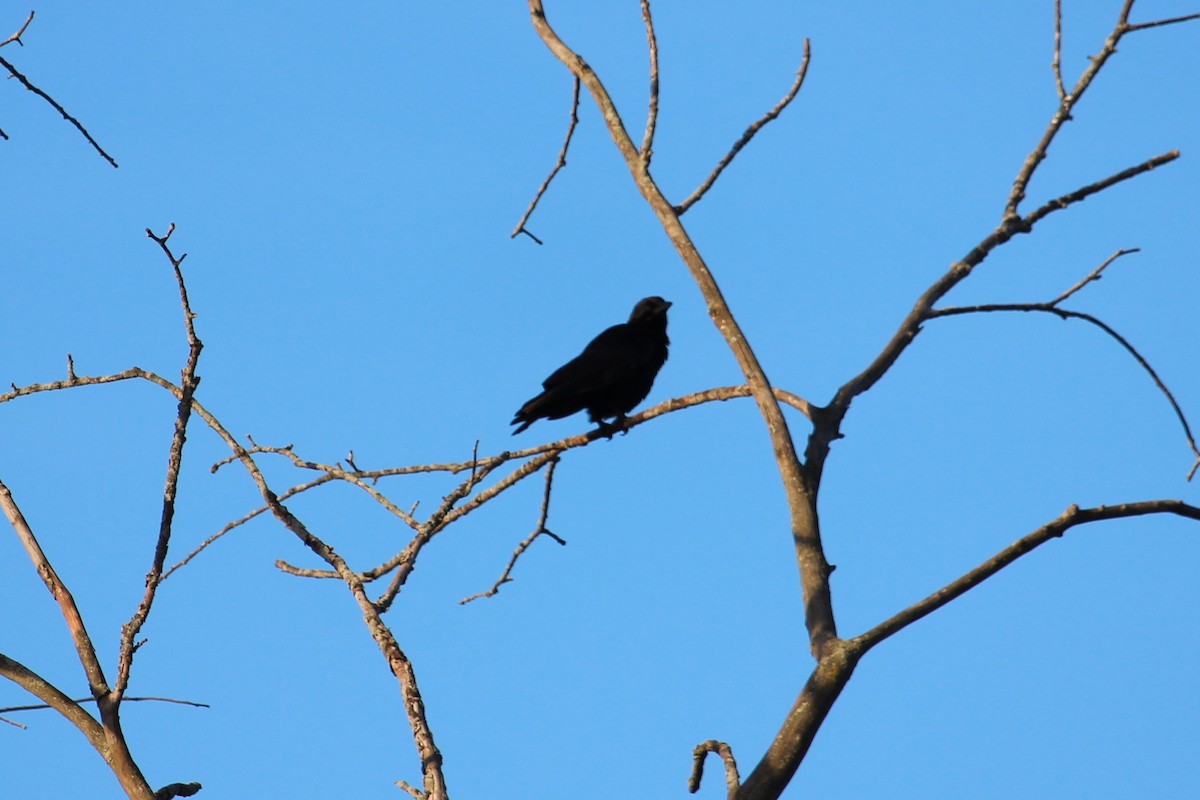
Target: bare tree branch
column 810, row 554
column 1141, row 26
column 78, row 125
column 562, row 162
column 49, row 694
column 506, row 576
column 229, row 526
column 16, row 37
column 647, row 148
column 542, row 454
column 726, row 754
column 1094, row 275
column 1068, row 101
column 923, row 309
column 82, row 700
column 110, row 740
column 1092, row 188
column 1063, row 313
column 413, row 791
column 59, row 591
column 1074, row 515
column 749, row 134
column 188, row 384
column 1056, row 64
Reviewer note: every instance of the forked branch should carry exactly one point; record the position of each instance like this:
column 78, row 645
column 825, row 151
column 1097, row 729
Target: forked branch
column 1054, row 307
column 189, row 381
column 810, row 554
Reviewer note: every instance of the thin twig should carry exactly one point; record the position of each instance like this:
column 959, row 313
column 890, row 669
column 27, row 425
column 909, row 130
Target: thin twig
column 506, row 576
column 1056, row 64
column 229, row 526
column 1063, row 313
column 1085, row 192
column 647, row 149
column 562, row 162
column 1094, row 275
column 749, row 134
column 16, row 37
column 78, row 125
column 1141, row 26
column 82, row 700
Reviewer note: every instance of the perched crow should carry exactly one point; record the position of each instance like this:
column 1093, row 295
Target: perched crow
column 612, row 375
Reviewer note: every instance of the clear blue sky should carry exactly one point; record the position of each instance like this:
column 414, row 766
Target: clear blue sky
column 344, row 180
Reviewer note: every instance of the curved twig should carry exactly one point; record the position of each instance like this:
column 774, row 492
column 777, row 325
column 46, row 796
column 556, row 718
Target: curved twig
column 732, row 781
column 1063, row 313
column 749, row 134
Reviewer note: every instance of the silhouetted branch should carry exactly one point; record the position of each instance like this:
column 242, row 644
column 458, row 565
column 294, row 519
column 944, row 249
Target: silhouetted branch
column 1073, row 516
column 1063, row 313
column 1011, row 225
column 82, row 700
column 749, row 134
column 1068, row 101
column 54, row 103
column 1053, row 307
column 562, row 162
column 1092, row 188
column 1141, row 26
column 726, row 753
column 1094, row 275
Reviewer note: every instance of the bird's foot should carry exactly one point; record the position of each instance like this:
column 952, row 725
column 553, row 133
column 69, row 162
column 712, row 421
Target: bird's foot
column 610, row 429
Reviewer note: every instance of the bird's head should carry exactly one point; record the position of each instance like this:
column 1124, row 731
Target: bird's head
column 648, row 308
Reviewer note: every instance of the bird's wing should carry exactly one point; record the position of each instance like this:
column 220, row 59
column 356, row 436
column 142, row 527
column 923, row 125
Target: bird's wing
column 605, row 357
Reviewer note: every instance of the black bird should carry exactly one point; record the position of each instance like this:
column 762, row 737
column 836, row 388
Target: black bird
column 612, row 375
